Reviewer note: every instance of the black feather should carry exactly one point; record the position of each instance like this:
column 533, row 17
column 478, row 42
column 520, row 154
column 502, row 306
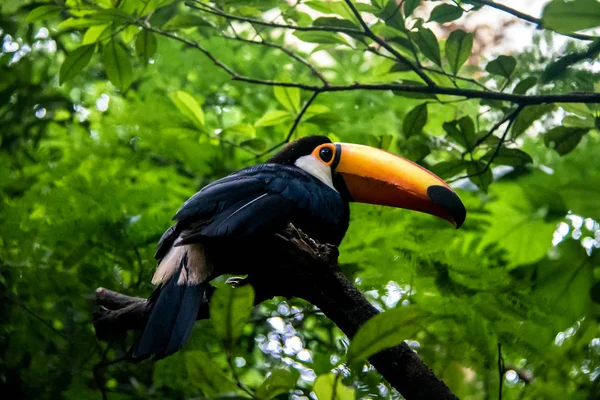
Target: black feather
column 262, row 198
column 174, row 311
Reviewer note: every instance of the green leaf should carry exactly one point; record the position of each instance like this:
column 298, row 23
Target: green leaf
column 392, row 15
column 517, row 221
column 145, row 45
column 97, row 33
column 241, row 129
column 320, row 37
column 330, row 387
column 503, row 66
column 449, row 169
column 415, row 120
column 461, row 131
column 514, row 157
column 524, row 85
column 576, row 108
column 445, row 13
column 458, row 49
column 288, row 97
column 78, row 23
column 280, row 381
column 577, row 122
column 185, row 20
column 42, row 13
column 111, row 15
column 258, row 145
column 564, row 139
column 271, row 118
column 410, row 6
column 188, row 106
column 324, row 119
column 528, row 116
column 567, row 278
column 117, row 65
column 76, row 61
column 580, row 196
column 206, row 375
column 332, row 7
column 400, row 67
column 569, row 16
column 481, row 176
column 380, row 141
column 428, row 44
column 334, row 22
column 383, row 331
column 229, row 311
column 362, row 7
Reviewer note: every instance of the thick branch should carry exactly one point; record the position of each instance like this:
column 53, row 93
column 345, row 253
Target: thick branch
column 311, row 273
column 528, row 18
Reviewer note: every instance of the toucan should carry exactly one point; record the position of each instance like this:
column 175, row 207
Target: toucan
column 310, row 183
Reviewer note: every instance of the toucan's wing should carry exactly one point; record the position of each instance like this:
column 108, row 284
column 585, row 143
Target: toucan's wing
column 255, row 199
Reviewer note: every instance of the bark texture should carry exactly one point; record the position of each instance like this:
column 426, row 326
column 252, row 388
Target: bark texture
column 310, row 271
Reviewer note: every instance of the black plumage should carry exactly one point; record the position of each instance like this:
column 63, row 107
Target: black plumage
column 254, row 201
column 261, row 199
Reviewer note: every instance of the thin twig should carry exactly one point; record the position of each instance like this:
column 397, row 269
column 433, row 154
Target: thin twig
column 529, row 18
column 500, row 370
column 281, row 14
column 292, row 129
column 300, row 115
column 34, row 315
column 290, row 53
column 101, row 365
column 496, row 126
column 205, row 8
column 388, row 47
column 236, row 377
column 473, row 81
column 487, row 166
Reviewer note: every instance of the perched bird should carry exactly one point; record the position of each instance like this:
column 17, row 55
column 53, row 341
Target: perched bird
column 310, row 184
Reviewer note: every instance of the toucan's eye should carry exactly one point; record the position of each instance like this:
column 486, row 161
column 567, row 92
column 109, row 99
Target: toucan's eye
column 326, row 154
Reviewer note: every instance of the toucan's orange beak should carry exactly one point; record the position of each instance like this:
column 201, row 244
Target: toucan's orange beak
column 375, row 176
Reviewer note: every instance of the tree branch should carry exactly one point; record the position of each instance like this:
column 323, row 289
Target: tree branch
column 311, row 273
column 528, row 18
column 205, row 8
column 522, row 99
column 292, row 129
column 290, row 53
column 388, row 47
column 511, row 118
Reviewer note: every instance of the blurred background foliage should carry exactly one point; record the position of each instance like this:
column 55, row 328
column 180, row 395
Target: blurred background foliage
column 108, row 123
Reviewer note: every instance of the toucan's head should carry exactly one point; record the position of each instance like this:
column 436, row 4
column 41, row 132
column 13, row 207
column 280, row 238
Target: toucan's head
column 369, row 175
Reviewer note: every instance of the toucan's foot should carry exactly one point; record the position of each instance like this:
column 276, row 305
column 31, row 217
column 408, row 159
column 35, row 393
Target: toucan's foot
column 237, row 281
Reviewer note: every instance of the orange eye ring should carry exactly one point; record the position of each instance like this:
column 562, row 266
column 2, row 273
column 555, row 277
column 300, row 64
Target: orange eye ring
column 325, row 153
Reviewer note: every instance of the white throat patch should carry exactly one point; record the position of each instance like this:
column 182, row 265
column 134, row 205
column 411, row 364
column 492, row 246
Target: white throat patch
column 316, row 168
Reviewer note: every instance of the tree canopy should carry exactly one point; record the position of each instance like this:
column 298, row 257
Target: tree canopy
column 114, row 112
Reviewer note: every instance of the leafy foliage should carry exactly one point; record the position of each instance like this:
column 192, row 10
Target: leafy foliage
column 113, row 113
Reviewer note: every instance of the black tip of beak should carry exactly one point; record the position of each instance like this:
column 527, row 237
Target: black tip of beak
column 449, row 201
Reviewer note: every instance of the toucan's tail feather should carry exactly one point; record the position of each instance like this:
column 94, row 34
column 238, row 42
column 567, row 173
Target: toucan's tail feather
column 172, row 318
